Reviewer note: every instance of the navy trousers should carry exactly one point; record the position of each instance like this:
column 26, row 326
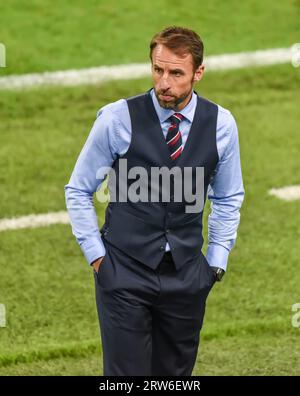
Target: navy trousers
column 150, row 320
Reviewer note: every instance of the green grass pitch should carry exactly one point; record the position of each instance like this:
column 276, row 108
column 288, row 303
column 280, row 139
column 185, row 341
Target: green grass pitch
column 45, row 283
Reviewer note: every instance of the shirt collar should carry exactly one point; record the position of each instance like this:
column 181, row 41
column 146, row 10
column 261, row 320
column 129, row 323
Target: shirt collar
column 163, row 114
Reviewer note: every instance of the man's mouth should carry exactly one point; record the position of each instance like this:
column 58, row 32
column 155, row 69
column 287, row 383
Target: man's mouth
column 166, row 97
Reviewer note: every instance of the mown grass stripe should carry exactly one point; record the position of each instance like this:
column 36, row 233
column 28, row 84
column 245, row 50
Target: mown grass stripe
column 75, row 350
column 84, row 349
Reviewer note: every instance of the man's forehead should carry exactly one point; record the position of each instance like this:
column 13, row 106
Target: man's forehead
column 163, row 55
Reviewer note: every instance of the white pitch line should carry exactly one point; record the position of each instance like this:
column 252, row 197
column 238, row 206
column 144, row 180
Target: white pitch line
column 34, row 221
column 288, row 193
column 95, row 75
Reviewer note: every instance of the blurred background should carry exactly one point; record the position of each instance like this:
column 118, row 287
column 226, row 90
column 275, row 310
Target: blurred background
column 47, row 288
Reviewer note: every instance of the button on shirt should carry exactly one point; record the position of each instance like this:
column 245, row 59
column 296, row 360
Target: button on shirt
column 110, row 136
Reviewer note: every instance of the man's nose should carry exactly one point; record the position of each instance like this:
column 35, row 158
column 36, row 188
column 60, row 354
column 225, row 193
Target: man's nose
column 164, row 82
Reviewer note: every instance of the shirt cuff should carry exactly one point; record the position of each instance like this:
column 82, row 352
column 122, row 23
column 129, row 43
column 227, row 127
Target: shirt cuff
column 217, row 256
column 93, row 248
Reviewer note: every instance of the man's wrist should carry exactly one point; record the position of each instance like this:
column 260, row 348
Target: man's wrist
column 219, row 273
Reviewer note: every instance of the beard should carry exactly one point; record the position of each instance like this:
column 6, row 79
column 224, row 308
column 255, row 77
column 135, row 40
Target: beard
column 171, row 103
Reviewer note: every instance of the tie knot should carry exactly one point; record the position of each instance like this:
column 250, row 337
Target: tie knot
column 176, row 118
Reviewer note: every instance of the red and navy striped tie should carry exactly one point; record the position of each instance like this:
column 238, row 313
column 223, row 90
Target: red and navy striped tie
column 173, row 138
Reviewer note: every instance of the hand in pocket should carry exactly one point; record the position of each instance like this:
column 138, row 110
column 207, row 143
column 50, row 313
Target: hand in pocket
column 97, row 263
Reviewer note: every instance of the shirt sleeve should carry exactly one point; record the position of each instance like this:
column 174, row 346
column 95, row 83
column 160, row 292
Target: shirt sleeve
column 226, row 194
column 91, row 168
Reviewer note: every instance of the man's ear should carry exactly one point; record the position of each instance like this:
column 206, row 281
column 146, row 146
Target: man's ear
column 199, row 73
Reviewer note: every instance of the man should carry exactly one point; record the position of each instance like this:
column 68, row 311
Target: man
column 151, row 278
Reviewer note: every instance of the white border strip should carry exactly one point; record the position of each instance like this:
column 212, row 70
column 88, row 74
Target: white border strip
column 34, row 221
column 96, row 75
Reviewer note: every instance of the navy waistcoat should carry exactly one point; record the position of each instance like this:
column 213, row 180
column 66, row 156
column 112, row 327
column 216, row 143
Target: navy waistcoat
column 141, row 229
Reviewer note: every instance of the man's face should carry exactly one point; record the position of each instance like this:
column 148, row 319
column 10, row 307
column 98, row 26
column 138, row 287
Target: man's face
column 173, row 77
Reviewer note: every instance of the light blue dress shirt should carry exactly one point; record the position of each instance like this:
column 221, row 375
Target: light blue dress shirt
column 110, row 136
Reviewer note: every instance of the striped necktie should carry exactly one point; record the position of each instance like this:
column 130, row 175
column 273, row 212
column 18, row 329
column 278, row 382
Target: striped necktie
column 173, row 138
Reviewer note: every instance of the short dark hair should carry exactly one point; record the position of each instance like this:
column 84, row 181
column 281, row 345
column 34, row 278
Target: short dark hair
column 181, row 41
